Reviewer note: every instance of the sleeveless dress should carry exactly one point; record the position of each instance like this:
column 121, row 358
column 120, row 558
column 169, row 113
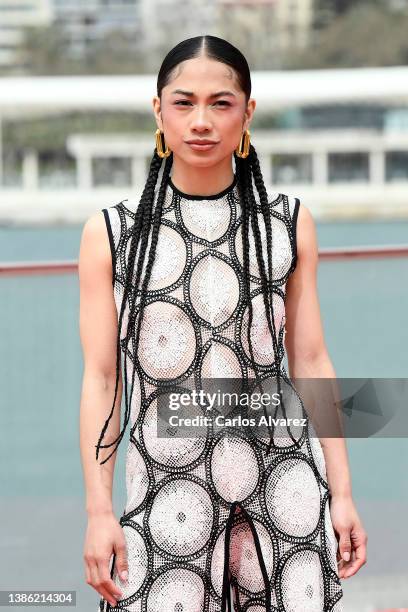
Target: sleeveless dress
column 212, row 519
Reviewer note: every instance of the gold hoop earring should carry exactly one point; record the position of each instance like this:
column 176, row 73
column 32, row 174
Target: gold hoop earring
column 159, row 144
column 245, row 152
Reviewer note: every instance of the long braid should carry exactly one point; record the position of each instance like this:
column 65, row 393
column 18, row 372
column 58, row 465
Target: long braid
column 155, row 234
column 265, row 208
column 245, row 185
column 242, row 185
column 147, row 201
column 263, row 196
column 135, row 236
column 139, row 239
column 266, row 294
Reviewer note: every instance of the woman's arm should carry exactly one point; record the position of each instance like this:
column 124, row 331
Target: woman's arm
column 308, row 358
column 98, row 329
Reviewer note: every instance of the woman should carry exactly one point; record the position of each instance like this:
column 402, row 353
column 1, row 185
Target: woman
column 179, row 286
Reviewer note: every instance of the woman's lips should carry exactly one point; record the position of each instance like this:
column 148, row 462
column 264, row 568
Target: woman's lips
column 202, row 147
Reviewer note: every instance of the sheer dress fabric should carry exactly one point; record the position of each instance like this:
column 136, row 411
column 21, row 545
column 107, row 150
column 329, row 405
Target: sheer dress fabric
column 218, row 523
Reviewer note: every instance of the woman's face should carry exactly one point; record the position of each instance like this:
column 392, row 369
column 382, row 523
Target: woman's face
column 190, row 110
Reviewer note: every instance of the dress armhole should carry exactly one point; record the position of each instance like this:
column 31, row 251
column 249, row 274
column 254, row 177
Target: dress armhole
column 111, row 243
column 294, row 229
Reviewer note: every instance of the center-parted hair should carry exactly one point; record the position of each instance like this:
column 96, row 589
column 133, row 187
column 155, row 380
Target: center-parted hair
column 147, row 223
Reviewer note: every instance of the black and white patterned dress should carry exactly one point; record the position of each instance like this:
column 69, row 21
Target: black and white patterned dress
column 190, row 500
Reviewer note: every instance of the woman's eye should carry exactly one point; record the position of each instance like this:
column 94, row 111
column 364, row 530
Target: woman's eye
column 222, row 102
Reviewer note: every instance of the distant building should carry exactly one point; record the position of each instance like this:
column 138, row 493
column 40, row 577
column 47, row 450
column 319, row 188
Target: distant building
column 87, row 22
column 264, row 28
column 294, row 18
column 15, row 15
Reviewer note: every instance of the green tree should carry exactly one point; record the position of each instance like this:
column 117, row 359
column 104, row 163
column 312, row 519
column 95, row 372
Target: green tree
column 44, row 51
column 47, row 51
column 365, row 35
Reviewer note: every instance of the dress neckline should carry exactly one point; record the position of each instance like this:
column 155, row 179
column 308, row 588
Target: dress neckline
column 213, row 196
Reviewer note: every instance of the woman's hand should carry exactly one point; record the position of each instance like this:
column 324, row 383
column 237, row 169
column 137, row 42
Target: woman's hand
column 104, row 536
column 352, row 538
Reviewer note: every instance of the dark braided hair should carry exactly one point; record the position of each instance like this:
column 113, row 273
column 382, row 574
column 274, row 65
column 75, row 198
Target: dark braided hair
column 148, row 220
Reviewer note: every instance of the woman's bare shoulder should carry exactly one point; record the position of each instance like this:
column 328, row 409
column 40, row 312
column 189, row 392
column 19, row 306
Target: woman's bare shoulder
column 95, row 245
column 306, row 234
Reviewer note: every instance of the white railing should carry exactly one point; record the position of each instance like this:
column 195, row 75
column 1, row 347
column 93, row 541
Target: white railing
column 280, row 152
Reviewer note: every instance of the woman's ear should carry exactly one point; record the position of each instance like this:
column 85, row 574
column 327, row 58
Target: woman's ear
column 157, row 112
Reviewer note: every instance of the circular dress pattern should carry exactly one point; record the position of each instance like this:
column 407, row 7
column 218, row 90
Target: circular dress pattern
column 216, row 523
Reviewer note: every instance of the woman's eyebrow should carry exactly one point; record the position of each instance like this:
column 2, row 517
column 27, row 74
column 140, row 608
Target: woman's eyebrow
column 183, row 92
